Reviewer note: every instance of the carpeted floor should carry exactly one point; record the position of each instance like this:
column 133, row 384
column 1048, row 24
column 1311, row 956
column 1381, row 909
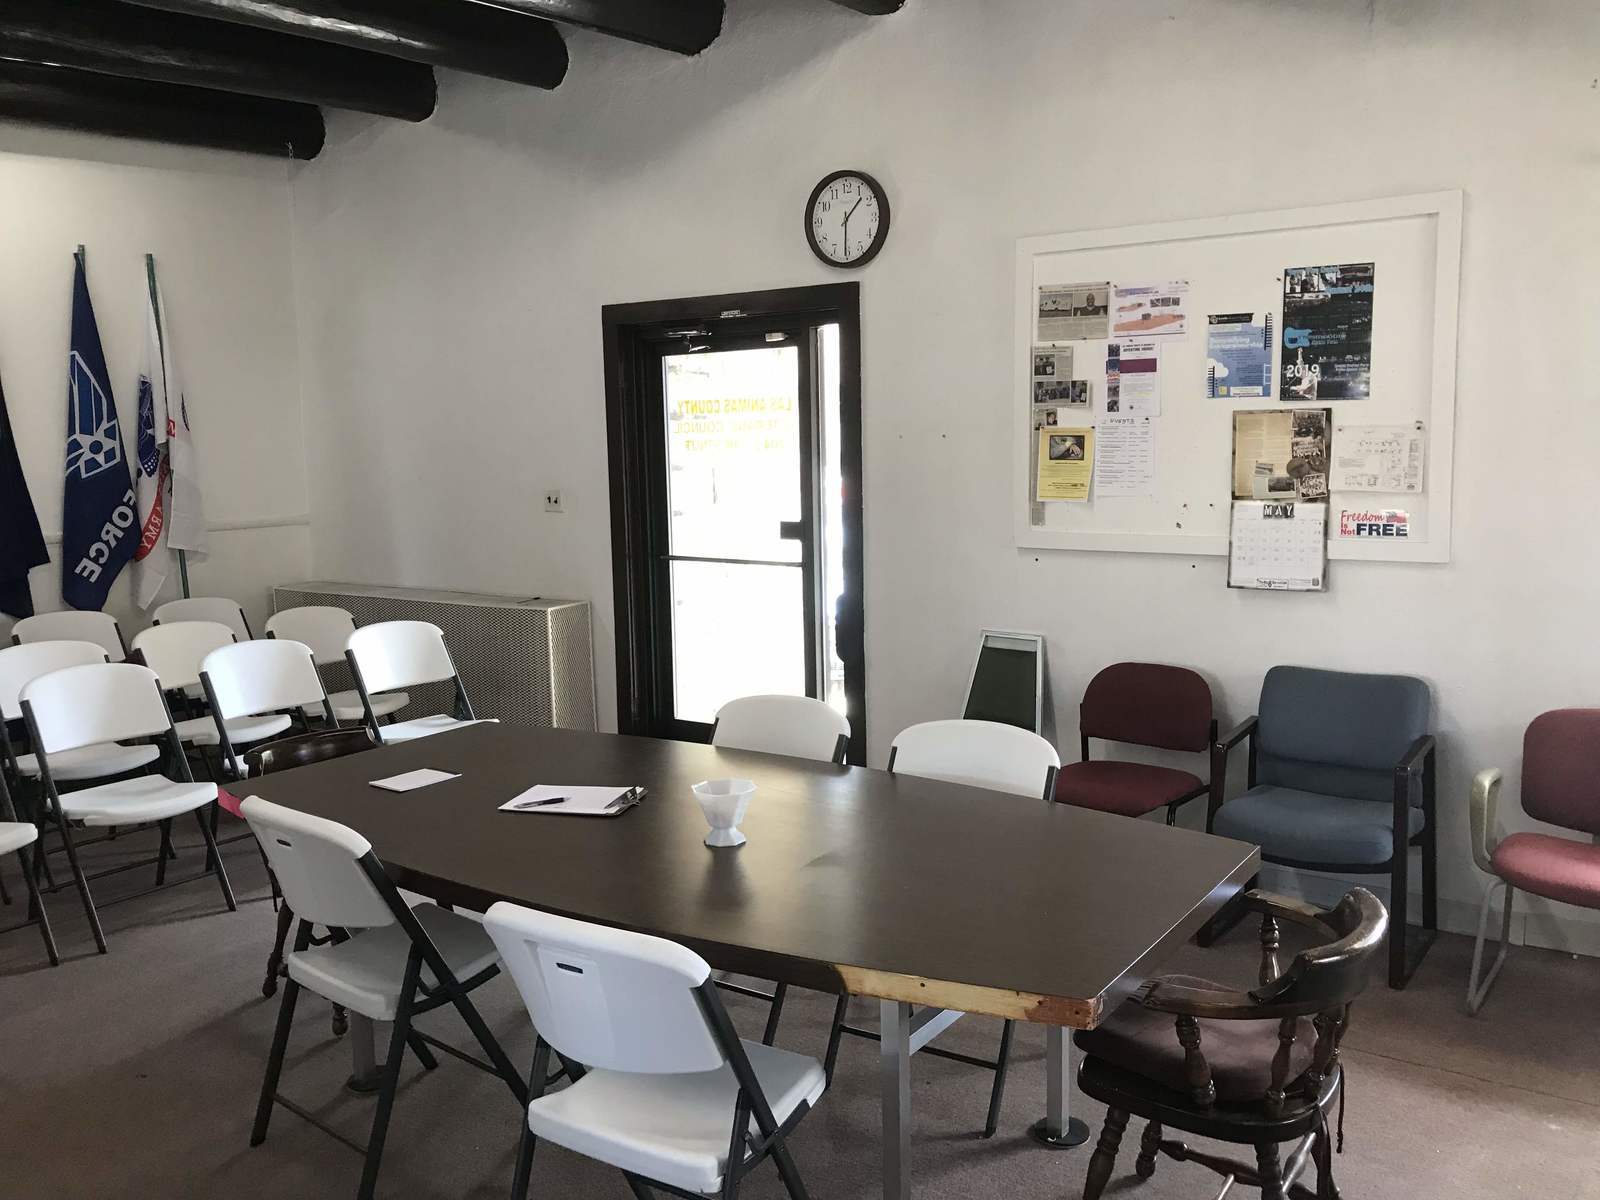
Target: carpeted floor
column 135, row 1074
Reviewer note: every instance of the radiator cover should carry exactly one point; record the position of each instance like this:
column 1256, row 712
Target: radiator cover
column 525, row 660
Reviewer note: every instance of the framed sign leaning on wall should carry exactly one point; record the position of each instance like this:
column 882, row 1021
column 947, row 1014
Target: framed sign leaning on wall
column 1355, row 308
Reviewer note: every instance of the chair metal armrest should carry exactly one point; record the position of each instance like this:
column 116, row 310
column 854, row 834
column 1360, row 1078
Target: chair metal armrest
column 1238, row 733
column 1485, row 806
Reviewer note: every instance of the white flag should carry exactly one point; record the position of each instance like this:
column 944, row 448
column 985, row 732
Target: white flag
column 186, row 519
column 152, row 559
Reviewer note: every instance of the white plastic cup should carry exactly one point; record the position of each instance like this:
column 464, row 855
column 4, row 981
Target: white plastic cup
column 724, row 803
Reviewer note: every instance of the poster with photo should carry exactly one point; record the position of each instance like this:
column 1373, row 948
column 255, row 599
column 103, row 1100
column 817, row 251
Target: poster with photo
column 1327, row 333
column 1238, row 356
column 1151, row 310
column 1280, row 454
column 1133, row 379
column 1065, row 464
column 1072, row 312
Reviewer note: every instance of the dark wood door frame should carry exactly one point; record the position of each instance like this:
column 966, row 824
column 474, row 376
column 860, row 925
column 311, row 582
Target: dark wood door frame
column 627, row 330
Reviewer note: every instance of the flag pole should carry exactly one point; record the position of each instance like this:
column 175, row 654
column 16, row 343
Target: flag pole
column 161, row 338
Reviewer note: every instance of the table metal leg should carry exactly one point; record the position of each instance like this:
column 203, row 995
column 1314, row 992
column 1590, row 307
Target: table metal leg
column 1059, row 1130
column 365, row 1073
column 894, row 1067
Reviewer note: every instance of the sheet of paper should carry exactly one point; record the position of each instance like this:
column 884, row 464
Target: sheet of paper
column 1238, row 356
column 1380, row 523
column 1150, row 310
column 1280, row 453
column 1072, row 312
column 582, row 800
column 1133, row 379
column 410, row 781
column 1378, row 458
column 1065, row 464
column 1327, row 333
column 1278, row 546
column 1125, row 457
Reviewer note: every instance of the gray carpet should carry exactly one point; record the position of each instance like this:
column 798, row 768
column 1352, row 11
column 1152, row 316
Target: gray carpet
column 135, row 1075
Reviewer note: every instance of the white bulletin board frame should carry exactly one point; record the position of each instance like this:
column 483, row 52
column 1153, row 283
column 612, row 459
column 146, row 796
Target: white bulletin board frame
column 1190, row 421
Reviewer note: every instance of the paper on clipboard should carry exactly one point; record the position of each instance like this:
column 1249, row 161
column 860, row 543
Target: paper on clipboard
column 571, row 800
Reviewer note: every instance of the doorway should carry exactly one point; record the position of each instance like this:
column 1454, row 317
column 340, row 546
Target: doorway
column 735, row 455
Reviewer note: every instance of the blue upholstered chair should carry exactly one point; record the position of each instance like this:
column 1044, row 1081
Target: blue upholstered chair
column 1341, row 779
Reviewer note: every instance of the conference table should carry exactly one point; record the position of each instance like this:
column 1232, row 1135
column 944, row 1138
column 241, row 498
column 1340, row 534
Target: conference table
column 936, row 899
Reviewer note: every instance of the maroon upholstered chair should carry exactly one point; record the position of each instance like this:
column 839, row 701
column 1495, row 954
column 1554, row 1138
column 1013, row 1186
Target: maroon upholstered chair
column 1144, row 704
column 1560, row 786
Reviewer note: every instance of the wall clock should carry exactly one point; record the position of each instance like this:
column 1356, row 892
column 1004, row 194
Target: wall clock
column 847, row 219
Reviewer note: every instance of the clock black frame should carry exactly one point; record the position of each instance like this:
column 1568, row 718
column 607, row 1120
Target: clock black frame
column 883, row 221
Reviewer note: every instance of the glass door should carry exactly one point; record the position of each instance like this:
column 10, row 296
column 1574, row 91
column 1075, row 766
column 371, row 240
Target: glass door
column 736, row 540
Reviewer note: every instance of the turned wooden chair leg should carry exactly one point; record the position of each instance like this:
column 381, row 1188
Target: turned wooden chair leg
column 1105, row 1154
column 1149, row 1146
column 1270, row 1170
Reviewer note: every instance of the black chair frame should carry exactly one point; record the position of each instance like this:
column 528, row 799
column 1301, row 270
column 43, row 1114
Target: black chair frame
column 180, row 761
column 745, row 1150
column 416, row 999
column 1321, row 983
column 1415, row 773
column 36, row 913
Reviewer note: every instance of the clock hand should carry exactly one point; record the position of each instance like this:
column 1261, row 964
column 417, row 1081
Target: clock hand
column 853, row 207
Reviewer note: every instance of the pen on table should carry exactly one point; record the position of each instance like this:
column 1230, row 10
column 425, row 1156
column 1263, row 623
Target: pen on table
column 540, row 803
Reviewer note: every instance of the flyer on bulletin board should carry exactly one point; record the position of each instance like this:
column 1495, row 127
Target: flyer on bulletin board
column 1066, row 464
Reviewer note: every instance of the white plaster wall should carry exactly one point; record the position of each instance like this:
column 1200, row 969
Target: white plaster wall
column 451, row 275
column 219, row 227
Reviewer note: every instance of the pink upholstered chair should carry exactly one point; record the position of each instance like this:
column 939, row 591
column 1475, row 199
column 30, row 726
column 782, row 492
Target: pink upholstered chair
column 1560, row 786
column 1143, row 704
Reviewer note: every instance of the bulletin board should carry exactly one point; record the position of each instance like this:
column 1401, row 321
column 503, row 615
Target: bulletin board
column 1237, row 264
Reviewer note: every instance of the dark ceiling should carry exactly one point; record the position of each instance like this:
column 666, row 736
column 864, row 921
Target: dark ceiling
column 254, row 75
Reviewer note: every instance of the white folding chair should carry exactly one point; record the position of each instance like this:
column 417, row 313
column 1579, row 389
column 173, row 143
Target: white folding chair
column 984, row 754
column 392, row 655
column 15, row 838
column 206, row 608
column 175, row 652
column 327, row 631
column 667, row 1091
column 21, row 664
column 247, row 682
column 797, row 726
column 107, row 702
column 73, row 625
column 400, row 963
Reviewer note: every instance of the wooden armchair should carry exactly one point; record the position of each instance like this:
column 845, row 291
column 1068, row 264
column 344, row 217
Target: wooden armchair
column 1256, row 1068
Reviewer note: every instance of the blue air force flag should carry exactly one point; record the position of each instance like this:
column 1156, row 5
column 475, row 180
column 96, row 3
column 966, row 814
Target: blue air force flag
column 21, row 542
column 99, row 520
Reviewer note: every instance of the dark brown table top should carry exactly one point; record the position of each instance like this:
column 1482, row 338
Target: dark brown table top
column 852, row 879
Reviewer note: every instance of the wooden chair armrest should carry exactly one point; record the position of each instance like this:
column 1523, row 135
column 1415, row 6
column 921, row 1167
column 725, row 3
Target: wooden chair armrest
column 1182, row 1000
column 1238, row 733
column 1485, row 806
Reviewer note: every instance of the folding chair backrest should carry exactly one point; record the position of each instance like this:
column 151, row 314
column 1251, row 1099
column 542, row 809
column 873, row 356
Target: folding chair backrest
column 982, row 754
column 1561, row 769
column 323, row 627
column 206, row 608
column 20, row 665
column 262, row 676
column 400, row 654
column 73, row 625
column 794, row 725
column 102, row 702
column 318, row 866
column 175, row 651
column 604, row 997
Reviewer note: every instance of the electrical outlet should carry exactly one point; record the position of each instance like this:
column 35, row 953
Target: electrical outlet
column 552, row 501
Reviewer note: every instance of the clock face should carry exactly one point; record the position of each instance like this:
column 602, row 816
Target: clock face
column 847, row 219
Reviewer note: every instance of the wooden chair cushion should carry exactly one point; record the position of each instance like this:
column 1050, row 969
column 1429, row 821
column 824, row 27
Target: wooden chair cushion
column 1131, row 789
column 1145, row 1042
